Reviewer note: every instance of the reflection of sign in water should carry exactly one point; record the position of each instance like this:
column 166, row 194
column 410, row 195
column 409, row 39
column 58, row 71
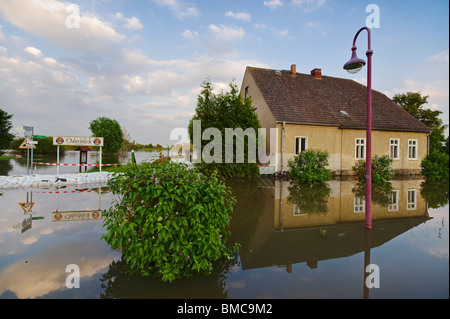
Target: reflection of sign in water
column 26, row 207
column 78, row 141
column 70, row 216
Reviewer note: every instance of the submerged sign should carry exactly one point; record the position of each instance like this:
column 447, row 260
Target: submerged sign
column 77, row 141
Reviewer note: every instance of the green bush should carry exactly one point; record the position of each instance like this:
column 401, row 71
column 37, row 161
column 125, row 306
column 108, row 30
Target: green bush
column 435, row 167
column 169, row 220
column 309, row 167
column 381, row 169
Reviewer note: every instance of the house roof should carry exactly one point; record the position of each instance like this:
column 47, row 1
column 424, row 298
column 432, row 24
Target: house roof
column 330, row 101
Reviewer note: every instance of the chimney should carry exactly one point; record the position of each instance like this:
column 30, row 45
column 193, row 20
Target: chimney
column 293, row 70
column 317, row 74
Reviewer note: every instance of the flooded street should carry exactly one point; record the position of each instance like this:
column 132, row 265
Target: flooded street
column 295, row 243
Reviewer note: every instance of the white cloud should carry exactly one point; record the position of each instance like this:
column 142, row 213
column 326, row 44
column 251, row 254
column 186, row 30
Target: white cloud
column 238, row 16
column 225, row 33
column 33, row 51
column 440, row 57
column 273, row 4
column 260, row 26
column 131, row 23
column 309, row 5
column 190, row 34
column 179, row 8
column 47, row 20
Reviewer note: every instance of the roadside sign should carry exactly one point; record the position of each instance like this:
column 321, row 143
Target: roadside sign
column 26, row 207
column 27, row 144
column 28, row 131
column 39, row 136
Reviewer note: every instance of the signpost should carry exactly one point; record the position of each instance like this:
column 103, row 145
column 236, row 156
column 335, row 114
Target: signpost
column 77, row 141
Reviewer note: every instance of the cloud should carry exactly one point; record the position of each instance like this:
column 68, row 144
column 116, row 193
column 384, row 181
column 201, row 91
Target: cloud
column 225, row 33
column 273, row 4
column 47, row 20
column 179, row 8
column 190, row 34
column 309, row 5
column 440, row 57
column 33, row 51
column 238, row 16
column 131, row 23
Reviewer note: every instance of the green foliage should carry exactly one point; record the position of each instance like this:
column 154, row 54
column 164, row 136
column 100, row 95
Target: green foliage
column 381, row 192
column 435, row 166
column 310, row 199
column 5, row 126
column 309, row 167
column 44, row 147
column 225, row 110
column 169, row 220
column 413, row 103
column 381, row 169
column 110, row 130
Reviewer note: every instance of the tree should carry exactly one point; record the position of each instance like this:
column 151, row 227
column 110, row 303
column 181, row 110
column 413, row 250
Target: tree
column 226, row 112
column 110, row 130
column 5, row 125
column 414, row 102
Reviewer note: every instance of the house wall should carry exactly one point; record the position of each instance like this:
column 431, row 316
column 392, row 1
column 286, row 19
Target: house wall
column 341, row 144
column 342, row 205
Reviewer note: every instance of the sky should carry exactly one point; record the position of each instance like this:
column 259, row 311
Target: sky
column 143, row 63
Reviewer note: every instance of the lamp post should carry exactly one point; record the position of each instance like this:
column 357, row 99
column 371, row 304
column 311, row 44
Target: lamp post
column 353, row 66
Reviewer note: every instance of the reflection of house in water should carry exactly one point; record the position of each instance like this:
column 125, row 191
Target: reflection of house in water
column 287, row 234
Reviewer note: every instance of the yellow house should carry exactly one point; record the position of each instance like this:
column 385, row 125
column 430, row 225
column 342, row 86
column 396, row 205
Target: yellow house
column 311, row 111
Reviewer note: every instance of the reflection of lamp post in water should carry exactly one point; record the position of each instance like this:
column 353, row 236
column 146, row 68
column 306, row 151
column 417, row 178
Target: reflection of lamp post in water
column 353, row 66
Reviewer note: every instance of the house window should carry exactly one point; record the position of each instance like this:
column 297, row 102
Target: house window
column 360, row 148
column 297, row 211
column 246, row 92
column 412, row 199
column 394, row 148
column 393, row 201
column 358, row 205
column 301, row 144
column 412, row 149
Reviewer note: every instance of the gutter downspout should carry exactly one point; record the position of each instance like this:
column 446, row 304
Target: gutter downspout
column 282, row 135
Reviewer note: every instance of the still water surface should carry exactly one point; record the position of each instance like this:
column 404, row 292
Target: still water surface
column 290, row 247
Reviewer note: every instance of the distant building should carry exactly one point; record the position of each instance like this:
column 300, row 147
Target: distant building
column 312, row 111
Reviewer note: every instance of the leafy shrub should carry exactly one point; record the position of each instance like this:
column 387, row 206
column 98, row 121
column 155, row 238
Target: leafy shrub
column 381, row 169
column 435, row 166
column 309, row 167
column 310, row 199
column 169, row 220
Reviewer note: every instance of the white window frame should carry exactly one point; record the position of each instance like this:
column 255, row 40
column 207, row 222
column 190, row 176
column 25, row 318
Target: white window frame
column 360, row 148
column 295, row 144
column 359, row 205
column 297, row 211
column 393, row 201
column 415, row 147
column 411, row 199
column 394, row 144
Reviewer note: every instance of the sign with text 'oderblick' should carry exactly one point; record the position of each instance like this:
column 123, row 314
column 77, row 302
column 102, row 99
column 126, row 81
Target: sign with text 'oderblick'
column 77, row 141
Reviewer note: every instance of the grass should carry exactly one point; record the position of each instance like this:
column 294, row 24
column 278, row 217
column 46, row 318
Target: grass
column 4, row 158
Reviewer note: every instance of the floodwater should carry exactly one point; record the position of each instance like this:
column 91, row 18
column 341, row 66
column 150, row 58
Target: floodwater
column 296, row 243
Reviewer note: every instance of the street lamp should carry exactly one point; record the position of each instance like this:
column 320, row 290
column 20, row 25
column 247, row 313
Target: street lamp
column 353, row 66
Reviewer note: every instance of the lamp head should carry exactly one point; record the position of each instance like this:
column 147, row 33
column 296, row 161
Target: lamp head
column 355, row 64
